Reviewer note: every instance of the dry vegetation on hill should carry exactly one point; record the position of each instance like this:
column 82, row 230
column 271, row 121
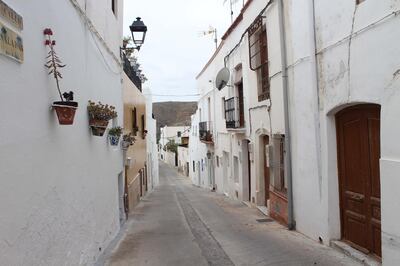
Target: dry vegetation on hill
column 173, row 113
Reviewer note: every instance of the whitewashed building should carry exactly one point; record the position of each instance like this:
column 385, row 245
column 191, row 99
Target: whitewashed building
column 151, row 138
column 171, row 134
column 183, row 156
column 60, row 186
column 305, row 128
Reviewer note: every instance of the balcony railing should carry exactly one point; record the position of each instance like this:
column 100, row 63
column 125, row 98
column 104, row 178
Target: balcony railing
column 205, row 132
column 130, row 71
column 233, row 117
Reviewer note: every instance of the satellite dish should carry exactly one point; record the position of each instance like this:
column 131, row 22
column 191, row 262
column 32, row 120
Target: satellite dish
column 222, row 78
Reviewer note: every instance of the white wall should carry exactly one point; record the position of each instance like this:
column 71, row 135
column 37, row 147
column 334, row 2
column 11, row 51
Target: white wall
column 151, row 138
column 257, row 121
column 357, row 62
column 197, row 154
column 183, row 158
column 59, row 184
column 361, row 69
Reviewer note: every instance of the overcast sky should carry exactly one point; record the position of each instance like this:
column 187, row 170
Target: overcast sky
column 174, row 53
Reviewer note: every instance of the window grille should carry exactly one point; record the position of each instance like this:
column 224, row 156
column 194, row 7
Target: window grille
column 258, row 56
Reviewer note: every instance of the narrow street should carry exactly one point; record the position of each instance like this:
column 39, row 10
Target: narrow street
column 180, row 224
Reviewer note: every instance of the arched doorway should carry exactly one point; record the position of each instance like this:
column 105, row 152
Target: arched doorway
column 358, row 144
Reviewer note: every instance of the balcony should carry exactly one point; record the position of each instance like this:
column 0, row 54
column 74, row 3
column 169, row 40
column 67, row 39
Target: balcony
column 205, row 132
column 131, row 72
column 234, row 115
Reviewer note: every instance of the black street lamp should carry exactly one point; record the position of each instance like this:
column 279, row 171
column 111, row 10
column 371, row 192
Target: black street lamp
column 138, row 31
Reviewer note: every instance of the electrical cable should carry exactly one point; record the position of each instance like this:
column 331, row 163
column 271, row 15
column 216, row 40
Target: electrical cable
column 244, row 34
column 92, row 30
column 175, row 95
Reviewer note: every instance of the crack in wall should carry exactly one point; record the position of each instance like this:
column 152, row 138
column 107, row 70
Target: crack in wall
column 349, row 51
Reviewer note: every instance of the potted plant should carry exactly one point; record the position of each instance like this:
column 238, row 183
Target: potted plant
column 65, row 108
column 114, row 135
column 128, row 140
column 99, row 116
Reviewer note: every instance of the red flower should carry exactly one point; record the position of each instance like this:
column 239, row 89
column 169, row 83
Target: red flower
column 53, row 43
column 47, row 42
column 48, row 31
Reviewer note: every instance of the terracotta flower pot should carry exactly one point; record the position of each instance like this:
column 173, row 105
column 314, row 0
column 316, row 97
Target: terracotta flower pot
column 98, row 127
column 65, row 112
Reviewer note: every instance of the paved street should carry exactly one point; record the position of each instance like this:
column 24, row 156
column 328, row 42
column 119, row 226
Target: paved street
column 179, row 224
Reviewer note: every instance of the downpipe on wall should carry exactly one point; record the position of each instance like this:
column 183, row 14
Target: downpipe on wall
column 288, row 153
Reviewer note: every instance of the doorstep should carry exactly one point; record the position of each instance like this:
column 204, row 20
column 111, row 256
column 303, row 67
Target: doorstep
column 263, row 210
column 354, row 253
column 248, row 204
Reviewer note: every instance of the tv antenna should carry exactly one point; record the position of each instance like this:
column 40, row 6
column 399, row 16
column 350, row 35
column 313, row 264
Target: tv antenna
column 213, row 31
column 231, row 3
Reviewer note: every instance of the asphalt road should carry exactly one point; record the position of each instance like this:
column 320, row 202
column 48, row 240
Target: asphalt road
column 179, row 224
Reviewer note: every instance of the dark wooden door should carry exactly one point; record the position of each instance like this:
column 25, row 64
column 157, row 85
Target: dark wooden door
column 358, row 135
column 266, row 168
column 241, row 104
column 249, row 168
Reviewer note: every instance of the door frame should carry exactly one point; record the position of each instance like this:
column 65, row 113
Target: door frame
column 258, row 154
column 340, row 176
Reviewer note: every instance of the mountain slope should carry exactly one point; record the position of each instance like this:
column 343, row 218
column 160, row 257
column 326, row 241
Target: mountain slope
column 173, row 113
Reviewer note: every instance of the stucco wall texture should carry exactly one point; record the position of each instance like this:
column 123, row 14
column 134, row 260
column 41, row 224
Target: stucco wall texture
column 59, row 184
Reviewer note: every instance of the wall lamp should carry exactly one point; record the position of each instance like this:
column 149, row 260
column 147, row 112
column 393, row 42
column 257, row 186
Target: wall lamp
column 138, row 31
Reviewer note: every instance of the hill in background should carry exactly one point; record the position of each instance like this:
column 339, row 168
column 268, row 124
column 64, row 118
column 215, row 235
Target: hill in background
column 173, row 113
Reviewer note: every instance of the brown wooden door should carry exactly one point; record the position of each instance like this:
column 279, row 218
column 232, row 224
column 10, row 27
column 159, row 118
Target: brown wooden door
column 358, row 134
column 241, row 104
column 249, row 168
column 266, row 169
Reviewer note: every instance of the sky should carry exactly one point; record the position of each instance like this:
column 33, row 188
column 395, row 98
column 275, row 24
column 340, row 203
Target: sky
column 174, row 52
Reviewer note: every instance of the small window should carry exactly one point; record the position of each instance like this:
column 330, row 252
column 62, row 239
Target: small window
column 143, row 126
column 217, row 159
column 258, row 53
column 359, row 1
column 179, row 134
column 114, row 6
column 223, row 107
column 194, row 166
column 134, row 122
column 279, row 182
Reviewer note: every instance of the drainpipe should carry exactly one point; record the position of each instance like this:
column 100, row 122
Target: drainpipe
column 288, row 154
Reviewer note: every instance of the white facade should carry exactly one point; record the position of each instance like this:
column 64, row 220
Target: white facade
column 151, row 138
column 59, row 184
column 337, row 55
column 197, row 155
column 183, row 160
column 361, row 68
column 167, row 134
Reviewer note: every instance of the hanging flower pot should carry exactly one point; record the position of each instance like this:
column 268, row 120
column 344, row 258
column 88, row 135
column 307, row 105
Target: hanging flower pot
column 114, row 135
column 65, row 112
column 114, row 140
column 127, row 141
column 99, row 116
column 98, row 127
column 65, row 108
column 125, row 145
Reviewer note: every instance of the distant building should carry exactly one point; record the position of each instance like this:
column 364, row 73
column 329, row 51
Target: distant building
column 171, row 135
column 151, row 145
column 136, row 175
